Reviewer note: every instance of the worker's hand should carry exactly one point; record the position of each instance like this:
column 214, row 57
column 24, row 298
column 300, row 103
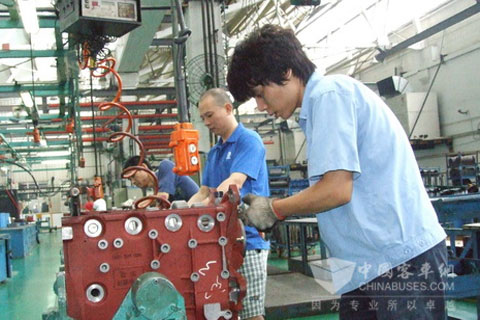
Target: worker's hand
column 260, row 213
column 164, row 195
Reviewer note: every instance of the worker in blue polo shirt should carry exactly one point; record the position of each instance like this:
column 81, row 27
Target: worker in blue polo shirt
column 170, row 185
column 387, row 249
column 238, row 158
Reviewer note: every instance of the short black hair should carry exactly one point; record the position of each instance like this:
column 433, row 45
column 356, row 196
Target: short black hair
column 133, row 161
column 219, row 95
column 264, row 57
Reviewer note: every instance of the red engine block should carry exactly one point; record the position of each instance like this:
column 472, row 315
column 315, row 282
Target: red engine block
column 198, row 249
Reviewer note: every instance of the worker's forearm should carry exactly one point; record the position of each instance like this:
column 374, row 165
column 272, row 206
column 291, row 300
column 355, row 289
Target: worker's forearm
column 225, row 185
column 327, row 194
column 235, row 178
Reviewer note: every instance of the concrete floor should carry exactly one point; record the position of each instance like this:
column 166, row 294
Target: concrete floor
column 29, row 292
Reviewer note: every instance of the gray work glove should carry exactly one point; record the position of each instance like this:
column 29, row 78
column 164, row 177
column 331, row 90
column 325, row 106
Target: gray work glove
column 260, row 213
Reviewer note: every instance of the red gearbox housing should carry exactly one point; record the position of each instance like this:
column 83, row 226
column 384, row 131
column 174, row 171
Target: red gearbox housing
column 198, row 249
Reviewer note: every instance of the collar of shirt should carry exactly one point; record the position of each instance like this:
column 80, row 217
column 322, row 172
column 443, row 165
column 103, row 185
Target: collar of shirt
column 233, row 138
column 306, row 95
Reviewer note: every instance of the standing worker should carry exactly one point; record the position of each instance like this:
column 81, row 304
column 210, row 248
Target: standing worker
column 238, row 158
column 170, row 185
column 365, row 185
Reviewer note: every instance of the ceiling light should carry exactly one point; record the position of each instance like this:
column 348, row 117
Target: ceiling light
column 28, row 12
column 27, row 99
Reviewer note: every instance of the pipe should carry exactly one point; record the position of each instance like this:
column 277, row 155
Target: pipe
column 209, row 38
column 214, row 43
column 204, row 31
column 180, row 82
column 459, row 17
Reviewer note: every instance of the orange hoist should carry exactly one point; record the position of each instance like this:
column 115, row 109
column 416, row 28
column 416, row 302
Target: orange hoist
column 184, row 141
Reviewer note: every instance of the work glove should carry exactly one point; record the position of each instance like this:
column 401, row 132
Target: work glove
column 260, row 212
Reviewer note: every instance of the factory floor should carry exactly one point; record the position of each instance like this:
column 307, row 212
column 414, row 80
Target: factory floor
column 29, row 292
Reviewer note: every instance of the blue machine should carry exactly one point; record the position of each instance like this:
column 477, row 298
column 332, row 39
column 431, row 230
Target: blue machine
column 5, row 261
column 4, row 219
column 459, row 215
column 23, row 239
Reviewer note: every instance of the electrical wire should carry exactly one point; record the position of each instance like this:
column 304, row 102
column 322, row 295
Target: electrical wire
column 93, row 125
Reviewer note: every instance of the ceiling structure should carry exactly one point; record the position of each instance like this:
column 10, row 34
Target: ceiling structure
column 336, row 34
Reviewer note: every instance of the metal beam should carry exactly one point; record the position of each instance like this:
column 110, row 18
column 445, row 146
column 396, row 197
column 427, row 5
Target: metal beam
column 4, row 141
column 152, row 104
column 49, row 90
column 42, row 117
column 150, row 91
column 33, row 144
column 8, row 3
column 36, row 149
column 130, row 56
column 29, row 131
column 41, row 90
column 7, row 54
column 40, row 169
column 162, row 42
column 36, row 159
column 17, row 24
column 462, row 15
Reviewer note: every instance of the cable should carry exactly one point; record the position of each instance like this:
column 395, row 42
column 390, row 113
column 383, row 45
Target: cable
column 93, row 125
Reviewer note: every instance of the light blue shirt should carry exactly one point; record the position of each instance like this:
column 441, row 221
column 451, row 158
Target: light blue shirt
column 243, row 152
column 389, row 219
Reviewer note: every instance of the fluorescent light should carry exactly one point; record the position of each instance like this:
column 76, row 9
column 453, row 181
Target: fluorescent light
column 27, row 99
column 28, row 12
column 54, row 154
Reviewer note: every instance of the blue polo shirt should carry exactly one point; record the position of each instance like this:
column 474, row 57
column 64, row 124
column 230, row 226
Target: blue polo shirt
column 178, row 187
column 243, row 152
column 389, row 219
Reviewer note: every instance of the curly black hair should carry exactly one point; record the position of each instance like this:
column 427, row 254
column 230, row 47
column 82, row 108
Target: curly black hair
column 265, row 57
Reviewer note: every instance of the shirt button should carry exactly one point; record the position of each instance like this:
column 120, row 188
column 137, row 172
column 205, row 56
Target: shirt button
column 407, row 251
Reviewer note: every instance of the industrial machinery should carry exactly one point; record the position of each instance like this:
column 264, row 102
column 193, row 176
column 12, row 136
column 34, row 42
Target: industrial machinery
column 459, row 216
column 98, row 18
column 178, row 263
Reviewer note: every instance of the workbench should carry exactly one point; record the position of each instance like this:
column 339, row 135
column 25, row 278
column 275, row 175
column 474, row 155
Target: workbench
column 23, row 239
column 300, row 264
